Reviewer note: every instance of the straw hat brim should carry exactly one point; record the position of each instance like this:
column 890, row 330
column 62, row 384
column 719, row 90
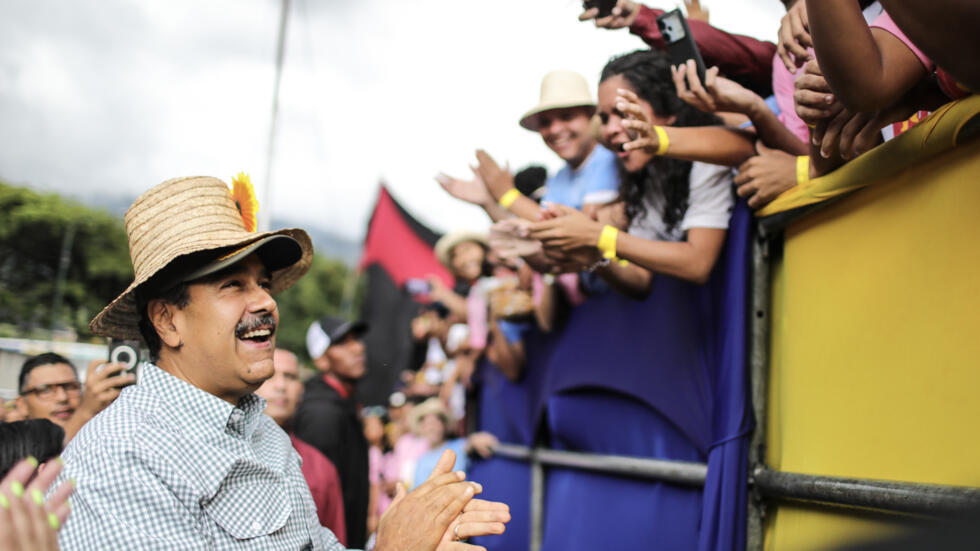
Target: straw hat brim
column 430, row 406
column 530, row 119
column 446, row 244
column 119, row 320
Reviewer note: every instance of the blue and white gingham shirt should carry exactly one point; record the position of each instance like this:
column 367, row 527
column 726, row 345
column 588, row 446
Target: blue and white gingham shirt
column 170, row 466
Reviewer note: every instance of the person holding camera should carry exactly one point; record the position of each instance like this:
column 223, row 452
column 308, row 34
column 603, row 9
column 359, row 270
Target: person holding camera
column 185, row 458
column 50, row 389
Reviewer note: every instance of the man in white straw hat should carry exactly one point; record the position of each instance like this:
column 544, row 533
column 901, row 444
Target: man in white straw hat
column 564, row 118
column 185, row 459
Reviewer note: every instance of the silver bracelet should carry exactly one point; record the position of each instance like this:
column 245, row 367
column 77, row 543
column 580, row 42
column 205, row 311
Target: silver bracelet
column 601, row 263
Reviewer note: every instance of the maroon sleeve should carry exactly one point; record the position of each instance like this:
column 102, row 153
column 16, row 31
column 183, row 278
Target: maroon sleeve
column 324, row 482
column 741, row 58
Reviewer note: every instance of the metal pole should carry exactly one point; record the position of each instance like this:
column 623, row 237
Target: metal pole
column 64, row 260
column 759, row 377
column 266, row 204
column 677, row 472
column 902, row 497
column 537, row 501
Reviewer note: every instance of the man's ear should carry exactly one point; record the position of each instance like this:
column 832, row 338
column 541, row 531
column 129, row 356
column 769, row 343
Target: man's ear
column 161, row 315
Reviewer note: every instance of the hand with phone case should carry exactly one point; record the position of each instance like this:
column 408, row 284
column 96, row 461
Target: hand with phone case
column 619, row 16
column 717, row 94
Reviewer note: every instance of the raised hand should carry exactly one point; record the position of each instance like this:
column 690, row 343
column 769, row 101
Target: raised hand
column 636, row 122
column 814, row 99
column 498, row 180
column 717, row 94
column 623, row 15
column 27, row 520
column 794, row 37
column 764, row 177
column 696, row 11
column 471, row 191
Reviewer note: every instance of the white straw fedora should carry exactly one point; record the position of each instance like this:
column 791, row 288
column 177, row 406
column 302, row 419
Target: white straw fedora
column 186, row 228
column 559, row 89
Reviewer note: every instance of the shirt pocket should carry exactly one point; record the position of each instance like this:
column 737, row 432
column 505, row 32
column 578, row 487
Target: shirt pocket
column 247, row 510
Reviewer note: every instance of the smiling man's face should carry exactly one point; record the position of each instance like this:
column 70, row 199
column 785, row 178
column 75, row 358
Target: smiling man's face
column 51, row 392
column 227, row 331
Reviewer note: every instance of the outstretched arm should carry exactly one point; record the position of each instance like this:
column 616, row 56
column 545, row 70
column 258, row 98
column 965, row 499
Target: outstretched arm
column 868, row 68
column 718, row 94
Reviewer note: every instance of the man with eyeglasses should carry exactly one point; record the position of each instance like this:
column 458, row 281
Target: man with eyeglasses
column 49, row 389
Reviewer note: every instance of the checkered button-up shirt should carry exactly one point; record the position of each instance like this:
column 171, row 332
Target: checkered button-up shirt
column 170, row 466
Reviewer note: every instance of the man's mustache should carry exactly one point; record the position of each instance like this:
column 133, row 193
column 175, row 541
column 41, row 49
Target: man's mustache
column 265, row 320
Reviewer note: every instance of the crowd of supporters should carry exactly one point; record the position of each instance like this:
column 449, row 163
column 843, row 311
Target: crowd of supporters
column 655, row 166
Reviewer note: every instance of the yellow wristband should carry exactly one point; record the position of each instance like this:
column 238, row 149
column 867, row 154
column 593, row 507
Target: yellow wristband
column 802, row 170
column 663, row 139
column 607, row 242
column 507, row 199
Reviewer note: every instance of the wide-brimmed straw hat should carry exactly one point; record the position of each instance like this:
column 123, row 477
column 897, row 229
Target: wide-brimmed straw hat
column 187, row 228
column 559, row 90
column 446, row 244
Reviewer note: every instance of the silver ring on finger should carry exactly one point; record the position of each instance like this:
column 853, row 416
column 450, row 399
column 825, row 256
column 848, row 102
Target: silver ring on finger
column 456, row 533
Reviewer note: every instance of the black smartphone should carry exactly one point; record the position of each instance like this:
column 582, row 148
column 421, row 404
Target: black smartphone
column 605, row 6
column 680, row 42
column 126, row 352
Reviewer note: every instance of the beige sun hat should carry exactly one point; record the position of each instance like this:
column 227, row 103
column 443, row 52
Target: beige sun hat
column 559, row 89
column 446, row 244
column 430, row 406
column 186, row 228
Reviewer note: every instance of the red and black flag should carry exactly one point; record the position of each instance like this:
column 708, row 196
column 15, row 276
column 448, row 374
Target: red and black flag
column 397, row 248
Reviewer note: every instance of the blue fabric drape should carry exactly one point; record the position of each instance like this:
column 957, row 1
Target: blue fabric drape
column 664, row 377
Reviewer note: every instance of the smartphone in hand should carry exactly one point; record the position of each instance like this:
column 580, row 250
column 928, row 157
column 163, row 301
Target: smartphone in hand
column 605, row 6
column 680, row 42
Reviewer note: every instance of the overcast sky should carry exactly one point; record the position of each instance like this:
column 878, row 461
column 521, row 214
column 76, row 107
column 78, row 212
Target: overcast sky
column 113, row 97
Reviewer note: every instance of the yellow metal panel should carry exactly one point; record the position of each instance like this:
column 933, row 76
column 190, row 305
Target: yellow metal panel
column 876, row 348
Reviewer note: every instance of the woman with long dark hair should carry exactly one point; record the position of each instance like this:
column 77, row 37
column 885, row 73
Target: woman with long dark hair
column 675, row 189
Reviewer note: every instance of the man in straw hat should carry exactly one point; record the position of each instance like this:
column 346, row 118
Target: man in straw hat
column 564, row 118
column 185, row 459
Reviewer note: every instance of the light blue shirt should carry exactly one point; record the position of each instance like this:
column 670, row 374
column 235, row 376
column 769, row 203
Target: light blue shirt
column 427, row 463
column 596, row 181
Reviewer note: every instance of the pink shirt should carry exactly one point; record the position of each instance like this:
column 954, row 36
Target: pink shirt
column 783, row 87
column 884, row 22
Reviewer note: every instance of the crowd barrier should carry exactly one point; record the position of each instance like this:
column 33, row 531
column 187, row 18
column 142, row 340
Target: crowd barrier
column 850, row 302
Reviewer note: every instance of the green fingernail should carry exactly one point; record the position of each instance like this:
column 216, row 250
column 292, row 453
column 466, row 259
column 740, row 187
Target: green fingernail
column 32, row 461
column 73, row 483
column 60, row 460
column 53, row 521
column 3, row 502
column 17, row 488
column 38, row 497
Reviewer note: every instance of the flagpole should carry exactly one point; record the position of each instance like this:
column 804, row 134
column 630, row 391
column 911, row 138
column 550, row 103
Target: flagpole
column 266, row 203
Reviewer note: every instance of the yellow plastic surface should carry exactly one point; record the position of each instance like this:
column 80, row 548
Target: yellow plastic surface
column 876, row 343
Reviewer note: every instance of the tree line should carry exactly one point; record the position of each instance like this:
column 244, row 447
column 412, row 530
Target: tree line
column 61, row 262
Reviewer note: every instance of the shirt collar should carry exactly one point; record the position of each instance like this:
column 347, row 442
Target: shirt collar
column 336, row 385
column 201, row 411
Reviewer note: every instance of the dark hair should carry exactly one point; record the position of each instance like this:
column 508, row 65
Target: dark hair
column 48, row 358
column 39, row 438
column 648, row 73
column 530, row 179
column 177, row 295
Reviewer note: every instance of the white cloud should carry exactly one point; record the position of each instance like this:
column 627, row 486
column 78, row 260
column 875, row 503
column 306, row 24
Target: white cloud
column 107, row 97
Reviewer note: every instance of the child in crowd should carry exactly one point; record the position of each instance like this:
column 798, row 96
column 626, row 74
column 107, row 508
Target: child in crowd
column 432, row 422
